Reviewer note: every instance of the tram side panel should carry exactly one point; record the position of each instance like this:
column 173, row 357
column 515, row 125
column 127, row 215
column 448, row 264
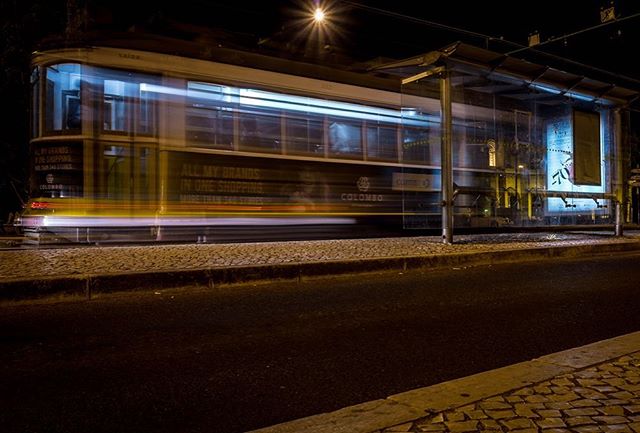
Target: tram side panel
column 301, row 191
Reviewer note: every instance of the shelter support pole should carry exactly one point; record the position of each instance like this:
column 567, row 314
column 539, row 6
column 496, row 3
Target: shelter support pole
column 619, row 183
column 447, row 157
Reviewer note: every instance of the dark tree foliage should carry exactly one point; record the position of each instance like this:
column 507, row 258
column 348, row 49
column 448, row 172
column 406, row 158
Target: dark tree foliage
column 22, row 24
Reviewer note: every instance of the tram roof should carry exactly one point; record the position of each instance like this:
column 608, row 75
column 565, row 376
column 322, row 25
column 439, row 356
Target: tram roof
column 474, row 61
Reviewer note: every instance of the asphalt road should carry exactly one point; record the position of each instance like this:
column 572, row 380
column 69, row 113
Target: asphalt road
column 245, row 357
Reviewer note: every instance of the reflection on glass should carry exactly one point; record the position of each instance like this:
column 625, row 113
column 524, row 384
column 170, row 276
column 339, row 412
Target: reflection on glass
column 345, row 138
column 63, row 109
column 114, row 106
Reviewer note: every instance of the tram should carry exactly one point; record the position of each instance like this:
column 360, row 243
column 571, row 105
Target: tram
column 136, row 144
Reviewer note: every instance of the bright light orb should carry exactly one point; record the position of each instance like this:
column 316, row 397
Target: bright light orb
column 318, row 15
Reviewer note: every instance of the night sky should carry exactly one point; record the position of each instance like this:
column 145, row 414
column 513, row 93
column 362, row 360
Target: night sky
column 398, row 29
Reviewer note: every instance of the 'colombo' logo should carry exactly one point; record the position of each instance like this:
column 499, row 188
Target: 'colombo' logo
column 363, row 185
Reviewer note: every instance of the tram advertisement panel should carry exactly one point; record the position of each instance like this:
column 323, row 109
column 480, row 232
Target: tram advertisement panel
column 221, row 182
column 57, row 169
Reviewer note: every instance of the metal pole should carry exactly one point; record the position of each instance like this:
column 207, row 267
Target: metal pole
column 618, row 216
column 447, row 157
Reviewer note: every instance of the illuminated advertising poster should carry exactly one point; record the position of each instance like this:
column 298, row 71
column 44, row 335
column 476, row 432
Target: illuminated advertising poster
column 560, row 168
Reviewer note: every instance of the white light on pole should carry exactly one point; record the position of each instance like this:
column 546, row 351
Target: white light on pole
column 318, row 15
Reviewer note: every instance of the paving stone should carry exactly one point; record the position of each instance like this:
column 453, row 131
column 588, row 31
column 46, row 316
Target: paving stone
column 536, row 398
column 517, row 423
column 560, row 389
column 616, row 428
column 578, row 421
column 585, row 403
column 614, row 381
column 590, row 382
column 475, row 414
column 570, row 396
column 560, row 405
column 550, row 423
column 611, row 419
column 540, row 389
column 587, row 374
column 524, row 392
column 562, row 381
column 498, row 398
column 461, row 427
column 622, row 395
column 454, row 416
column 587, row 411
column 588, row 429
column 589, row 393
column 528, row 409
column 489, row 424
column 612, row 410
column 606, row 389
column 500, row 414
column 550, row 413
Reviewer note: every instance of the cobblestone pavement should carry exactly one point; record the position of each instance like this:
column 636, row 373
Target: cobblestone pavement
column 604, row 398
column 21, row 264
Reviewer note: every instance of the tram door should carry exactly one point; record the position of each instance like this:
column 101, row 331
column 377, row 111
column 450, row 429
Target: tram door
column 128, row 176
column 127, row 150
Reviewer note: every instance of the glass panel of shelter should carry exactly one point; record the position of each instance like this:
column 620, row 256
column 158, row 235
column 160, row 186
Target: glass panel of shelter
column 525, row 135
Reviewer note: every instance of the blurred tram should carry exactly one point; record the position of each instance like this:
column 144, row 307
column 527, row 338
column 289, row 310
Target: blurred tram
column 139, row 145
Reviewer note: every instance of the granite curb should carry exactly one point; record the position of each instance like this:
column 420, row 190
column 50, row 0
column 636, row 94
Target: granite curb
column 413, row 405
column 87, row 285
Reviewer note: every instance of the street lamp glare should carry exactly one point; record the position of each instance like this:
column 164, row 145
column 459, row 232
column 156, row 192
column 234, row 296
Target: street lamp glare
column 318, row 15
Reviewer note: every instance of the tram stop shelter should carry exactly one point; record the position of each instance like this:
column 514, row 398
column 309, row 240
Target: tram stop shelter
column 515, row 142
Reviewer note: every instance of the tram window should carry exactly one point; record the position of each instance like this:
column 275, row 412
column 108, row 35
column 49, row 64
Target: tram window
column 260, row 130
column 209, row 121
column 114, row 106
column 305, row 136
column 415, row 145
column 128, row 102
column 35, row 103
column 382, row 143
column 62, row 105
column 210, row 128
column 345, row 138
column 147, row 112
